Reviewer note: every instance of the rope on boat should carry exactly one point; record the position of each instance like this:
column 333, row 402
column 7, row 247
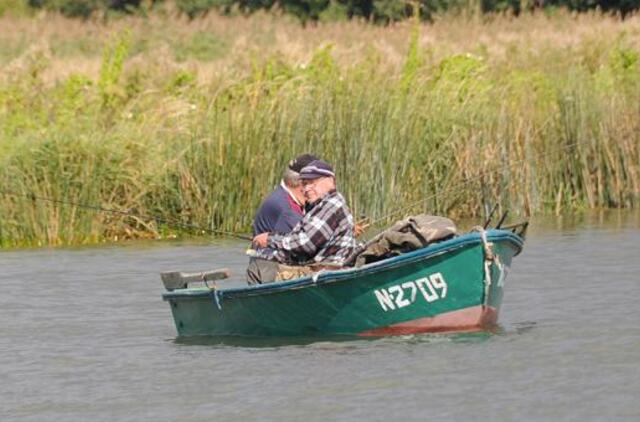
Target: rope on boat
column 213, row 291
column 315, row 276
column 488, row 252
column 217, row 297
column 489, row 258
column 487, row 281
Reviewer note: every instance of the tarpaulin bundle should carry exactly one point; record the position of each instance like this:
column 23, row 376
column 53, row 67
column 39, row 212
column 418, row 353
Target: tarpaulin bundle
column 406, row 235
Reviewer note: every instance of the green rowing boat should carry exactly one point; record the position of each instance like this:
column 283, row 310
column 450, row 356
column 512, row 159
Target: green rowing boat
column 454, row 285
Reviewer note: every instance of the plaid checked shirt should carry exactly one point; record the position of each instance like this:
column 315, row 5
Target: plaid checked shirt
column 325, row 234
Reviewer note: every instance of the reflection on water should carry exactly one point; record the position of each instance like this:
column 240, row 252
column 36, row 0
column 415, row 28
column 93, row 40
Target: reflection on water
column 257, row 342
column 523, row 327
column 275, row 342
column 587, row 221
column 86, row 335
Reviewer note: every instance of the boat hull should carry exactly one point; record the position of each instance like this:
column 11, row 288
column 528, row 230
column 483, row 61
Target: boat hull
column 450, row 286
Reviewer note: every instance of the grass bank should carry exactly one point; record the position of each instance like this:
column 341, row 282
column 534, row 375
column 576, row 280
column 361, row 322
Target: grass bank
column 194, row 121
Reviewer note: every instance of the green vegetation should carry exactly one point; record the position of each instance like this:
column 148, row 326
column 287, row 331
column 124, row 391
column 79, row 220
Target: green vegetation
column 378, row 11
column 200, row 135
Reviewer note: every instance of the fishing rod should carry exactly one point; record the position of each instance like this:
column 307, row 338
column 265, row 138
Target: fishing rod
column 98, row 208
column 174, row 223
column 464, row 183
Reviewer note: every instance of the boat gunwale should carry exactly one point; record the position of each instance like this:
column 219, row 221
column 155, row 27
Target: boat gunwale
column 332, row 276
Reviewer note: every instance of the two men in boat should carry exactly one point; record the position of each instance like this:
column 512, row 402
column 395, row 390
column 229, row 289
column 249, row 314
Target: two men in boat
column 279, row 213
column 285, row 206
column 324, row 236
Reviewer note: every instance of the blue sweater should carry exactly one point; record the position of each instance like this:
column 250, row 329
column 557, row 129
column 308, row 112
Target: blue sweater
column 276, row 214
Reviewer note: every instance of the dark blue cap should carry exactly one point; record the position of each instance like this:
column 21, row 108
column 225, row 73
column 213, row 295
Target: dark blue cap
column 316, row 169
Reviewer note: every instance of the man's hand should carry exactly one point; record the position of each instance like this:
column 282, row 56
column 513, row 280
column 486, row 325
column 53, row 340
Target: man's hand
column 261, row 240
column 360, row 227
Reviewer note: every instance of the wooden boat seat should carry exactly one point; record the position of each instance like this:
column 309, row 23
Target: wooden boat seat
column 180, row 280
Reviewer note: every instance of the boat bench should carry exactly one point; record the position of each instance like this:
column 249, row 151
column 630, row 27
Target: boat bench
column 180, row 280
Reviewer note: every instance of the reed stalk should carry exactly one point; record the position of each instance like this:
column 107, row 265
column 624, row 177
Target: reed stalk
column 533, row 113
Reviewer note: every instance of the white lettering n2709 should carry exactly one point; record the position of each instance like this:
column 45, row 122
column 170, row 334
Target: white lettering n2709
column 432, row 288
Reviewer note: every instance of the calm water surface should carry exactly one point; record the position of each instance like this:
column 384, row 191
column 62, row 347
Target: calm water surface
column 85, row 336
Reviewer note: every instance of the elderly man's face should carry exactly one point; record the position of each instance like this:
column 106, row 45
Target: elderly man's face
column 316, row 189
column 298, row 192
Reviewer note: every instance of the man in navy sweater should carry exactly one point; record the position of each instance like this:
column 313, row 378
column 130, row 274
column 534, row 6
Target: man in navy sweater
column 279, row 213
column 325, row 235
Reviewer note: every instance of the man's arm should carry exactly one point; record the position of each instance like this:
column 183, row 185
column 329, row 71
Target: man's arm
column 305, row 239
column 297, row 242
column 315, row 230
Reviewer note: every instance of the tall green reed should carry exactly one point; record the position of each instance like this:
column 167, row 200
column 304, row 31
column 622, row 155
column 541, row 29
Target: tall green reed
column 552, row 131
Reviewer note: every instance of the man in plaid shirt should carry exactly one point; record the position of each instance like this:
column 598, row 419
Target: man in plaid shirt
column 325, row 234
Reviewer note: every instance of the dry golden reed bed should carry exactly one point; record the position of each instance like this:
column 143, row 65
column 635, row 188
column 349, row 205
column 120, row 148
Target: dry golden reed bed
column 75, row 46
column 192, row 121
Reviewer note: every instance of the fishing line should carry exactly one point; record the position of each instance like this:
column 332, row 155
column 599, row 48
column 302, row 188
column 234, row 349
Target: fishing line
column 466, row 182
column 173, row 223
column 178, row 224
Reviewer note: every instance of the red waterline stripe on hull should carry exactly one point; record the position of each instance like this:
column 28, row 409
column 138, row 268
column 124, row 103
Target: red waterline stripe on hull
column 468, row 319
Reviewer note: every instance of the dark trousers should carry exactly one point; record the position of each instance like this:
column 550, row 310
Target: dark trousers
column 261, row 271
